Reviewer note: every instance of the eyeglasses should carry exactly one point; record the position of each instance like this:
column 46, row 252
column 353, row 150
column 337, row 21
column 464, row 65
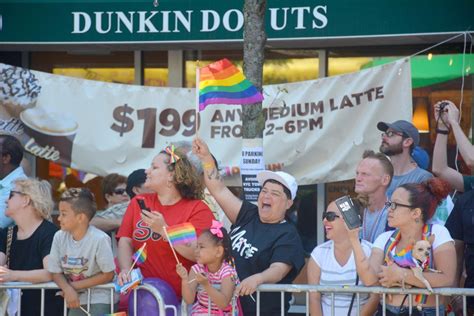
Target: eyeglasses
column 119, row 191
column 12, row 193
column 394, row 205
column 330, row 216
column 390, row 134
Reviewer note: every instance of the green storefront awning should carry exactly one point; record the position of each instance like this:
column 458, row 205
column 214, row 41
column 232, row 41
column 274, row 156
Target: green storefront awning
column 191, row 21
column 428, row 70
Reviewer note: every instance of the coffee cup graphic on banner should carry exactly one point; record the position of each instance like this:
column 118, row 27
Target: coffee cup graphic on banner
column 19, row 90
column 51, row 134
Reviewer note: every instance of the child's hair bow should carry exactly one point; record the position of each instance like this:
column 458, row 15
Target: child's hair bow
column 216, row 228
column 170, row 150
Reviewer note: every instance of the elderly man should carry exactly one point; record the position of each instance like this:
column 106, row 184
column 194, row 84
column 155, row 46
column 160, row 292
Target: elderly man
column 373, row 176
column 398, row 141
column 266, row 248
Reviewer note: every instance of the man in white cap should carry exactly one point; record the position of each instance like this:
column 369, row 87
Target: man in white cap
column 398, row 141
column 266, row 248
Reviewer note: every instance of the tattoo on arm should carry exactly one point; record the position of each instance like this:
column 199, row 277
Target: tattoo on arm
column 213, row 174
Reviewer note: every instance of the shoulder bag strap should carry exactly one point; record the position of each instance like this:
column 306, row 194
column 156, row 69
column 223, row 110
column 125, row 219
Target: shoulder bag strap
column 9, row 244
column 353, row 294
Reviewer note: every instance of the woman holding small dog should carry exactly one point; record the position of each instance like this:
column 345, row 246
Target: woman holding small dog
column 395, row 260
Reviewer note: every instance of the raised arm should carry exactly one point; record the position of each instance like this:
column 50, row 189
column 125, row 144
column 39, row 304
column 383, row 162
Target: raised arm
column 367, row 268
column 465, row 147
column 440, row 161
column 229, row 203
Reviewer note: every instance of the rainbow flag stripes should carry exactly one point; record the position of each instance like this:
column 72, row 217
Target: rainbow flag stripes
column 181, row 234
column 117, row 314
column 223, row 83
column 140, row 255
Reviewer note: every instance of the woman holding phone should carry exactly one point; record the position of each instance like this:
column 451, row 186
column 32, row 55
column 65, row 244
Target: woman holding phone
column 176, row 199
column 332, row 263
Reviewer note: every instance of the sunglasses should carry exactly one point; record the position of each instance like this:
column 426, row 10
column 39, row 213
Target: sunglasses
column 394, row 205
column 12, row 193
column 330, row 216
column 119, row 191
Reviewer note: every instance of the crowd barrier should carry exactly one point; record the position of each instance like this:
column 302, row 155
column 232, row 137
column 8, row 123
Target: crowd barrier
column 281, row 288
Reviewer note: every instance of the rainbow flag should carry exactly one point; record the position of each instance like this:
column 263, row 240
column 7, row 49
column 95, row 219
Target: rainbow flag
column 181, row 234
column 140, row 255
column 223, row 83
column 117, row 314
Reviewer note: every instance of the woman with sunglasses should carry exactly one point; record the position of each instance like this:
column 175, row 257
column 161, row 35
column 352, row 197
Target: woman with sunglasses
column 411, row 207
column 176, row 199
column 332, row 263
column 26, row 259
column 114, row 189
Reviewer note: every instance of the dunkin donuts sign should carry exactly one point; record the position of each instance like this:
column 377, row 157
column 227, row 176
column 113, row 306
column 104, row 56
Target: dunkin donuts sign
column 102, row 127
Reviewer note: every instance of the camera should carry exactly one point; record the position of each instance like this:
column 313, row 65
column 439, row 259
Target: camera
column 442, row 105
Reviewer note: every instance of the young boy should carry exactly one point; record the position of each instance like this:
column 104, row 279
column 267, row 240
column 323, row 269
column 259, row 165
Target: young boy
column 81, row 255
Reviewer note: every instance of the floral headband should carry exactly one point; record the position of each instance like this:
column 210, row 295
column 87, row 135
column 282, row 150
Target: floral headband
column 216, row 229
column 170, row 150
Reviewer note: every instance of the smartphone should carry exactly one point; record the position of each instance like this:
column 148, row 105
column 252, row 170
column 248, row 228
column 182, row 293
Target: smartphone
column 141, row 203
column 350, row 212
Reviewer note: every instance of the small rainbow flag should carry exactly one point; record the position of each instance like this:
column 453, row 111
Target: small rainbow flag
column 223, row 83
column 117, row 314
column 140, row 255
column 181, row 234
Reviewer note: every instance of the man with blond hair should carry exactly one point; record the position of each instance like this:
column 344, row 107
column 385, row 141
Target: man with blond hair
column 373, row 176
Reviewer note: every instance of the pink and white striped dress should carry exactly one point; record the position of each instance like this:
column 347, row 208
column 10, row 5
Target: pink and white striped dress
column 200, row 306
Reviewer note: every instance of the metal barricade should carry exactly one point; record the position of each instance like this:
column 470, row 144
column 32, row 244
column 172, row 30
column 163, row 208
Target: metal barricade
column 282, row 288
column 162, row 307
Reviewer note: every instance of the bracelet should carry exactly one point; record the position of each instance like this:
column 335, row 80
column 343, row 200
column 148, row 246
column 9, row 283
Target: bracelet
column 208, row 166
column 442, row 131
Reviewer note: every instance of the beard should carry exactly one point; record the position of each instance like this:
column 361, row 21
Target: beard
column 391, row 150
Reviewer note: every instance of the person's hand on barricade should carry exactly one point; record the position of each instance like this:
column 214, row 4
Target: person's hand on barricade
column 249, row 285
column 6, row 275
column 71, row 297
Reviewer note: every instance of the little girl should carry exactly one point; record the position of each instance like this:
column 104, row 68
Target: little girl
column 213, row 254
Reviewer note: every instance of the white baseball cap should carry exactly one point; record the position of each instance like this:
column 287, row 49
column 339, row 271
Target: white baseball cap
column 284, row 178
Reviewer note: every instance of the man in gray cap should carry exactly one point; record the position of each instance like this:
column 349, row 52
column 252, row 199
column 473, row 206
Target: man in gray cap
column 398, row 141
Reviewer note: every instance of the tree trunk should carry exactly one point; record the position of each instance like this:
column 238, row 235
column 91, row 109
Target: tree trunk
column 255, row 38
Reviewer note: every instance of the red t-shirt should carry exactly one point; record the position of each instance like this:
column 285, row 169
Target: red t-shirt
column 160, row 262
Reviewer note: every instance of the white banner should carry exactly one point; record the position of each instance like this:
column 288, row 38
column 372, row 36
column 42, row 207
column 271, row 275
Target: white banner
column 316, row 130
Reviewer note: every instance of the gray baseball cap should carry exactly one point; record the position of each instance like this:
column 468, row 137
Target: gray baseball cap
column 401, row 126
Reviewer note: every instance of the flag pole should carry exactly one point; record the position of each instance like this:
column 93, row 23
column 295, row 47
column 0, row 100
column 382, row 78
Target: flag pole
column 142, row 248
column 198, row 71
column 167, row 237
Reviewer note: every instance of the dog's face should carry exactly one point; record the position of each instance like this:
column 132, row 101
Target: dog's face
column 421, row 250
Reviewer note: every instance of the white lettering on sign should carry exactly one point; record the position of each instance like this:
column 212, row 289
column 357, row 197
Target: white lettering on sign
column 46, row 152
column 232, row 20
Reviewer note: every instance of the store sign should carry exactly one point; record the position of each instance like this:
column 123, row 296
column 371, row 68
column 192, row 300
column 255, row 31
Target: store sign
column 194, row 21
column 317, row 130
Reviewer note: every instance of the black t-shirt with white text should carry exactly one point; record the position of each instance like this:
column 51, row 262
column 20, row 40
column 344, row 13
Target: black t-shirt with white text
column 255, row 246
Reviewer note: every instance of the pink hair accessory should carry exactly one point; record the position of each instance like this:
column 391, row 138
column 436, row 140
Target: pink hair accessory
column 170, row 150
column 216, row 228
